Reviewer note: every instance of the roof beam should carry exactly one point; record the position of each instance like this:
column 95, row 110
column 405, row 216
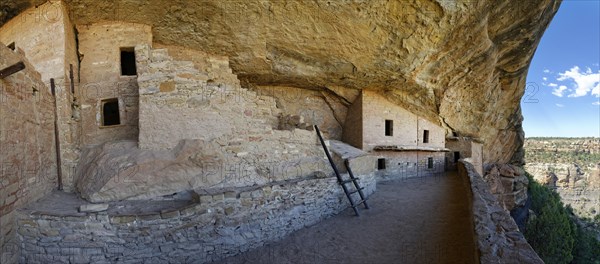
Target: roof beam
column 12, row 69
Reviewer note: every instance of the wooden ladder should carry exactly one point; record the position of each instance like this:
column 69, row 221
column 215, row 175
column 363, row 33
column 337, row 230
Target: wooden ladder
column 342, row 182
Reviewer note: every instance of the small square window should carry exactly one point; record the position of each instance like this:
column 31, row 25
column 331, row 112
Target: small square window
column 380, row 164
column 389, row 127
column 430, row 163
column 425, row 136
column 110, row 112
column 128, row 67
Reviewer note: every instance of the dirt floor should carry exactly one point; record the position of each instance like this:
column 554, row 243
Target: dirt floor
column 418, row 220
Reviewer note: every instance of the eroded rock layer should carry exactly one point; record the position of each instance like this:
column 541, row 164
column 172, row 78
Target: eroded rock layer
column 461, row 64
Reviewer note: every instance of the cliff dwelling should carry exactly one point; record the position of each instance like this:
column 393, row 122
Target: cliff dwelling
column 185, row 133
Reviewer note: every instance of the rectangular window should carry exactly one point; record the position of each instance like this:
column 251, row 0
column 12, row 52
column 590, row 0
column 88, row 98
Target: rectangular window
column 430, row 163
column 110, row 112
column 425, row 136
column 11, row 46
column 128, row 62
column 381, row 164
column 456, row 156
column 389, row 127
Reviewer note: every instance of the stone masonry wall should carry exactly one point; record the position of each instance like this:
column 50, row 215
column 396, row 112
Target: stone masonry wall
column 196, row 98
column 315, row 107
column 408, row 128
column 353, row 132
column 403, row 165
column 220, row 225
column 497, row 235
column 46, row 37
column 27, row 153
column 100, row 45
column 40, row 33
column 199, row 130
column 467, row 149
column 69, row 106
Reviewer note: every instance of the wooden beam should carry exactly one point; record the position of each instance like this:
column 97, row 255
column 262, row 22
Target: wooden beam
column 11, row 69
column 56, row 136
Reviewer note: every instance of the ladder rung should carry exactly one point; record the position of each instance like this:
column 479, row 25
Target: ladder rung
column 349, row 180
column 355, row 191
column 359, row 202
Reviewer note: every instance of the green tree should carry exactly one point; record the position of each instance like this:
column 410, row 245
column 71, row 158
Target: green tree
column 552, row 234
column 587, row 248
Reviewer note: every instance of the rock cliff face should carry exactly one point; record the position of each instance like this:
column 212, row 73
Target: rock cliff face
column 571, row 166
column 461, row 64
column 508, row 183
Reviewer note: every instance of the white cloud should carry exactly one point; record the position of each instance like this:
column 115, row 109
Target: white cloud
column 559, row 91
column 560, row 105
column 552, row 84
column 596, row 103
column 596, row 90
column 546, row 71
column 544, row 78
column 585, row 81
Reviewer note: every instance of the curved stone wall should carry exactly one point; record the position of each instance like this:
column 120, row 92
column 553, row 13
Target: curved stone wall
column 497, row 235
column 219, row 225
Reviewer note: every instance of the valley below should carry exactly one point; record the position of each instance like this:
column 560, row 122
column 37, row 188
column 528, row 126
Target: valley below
column 570, row 166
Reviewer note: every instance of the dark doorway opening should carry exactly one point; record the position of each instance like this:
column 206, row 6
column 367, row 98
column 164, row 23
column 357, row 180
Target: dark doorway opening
column 456, row 156
column 389, row 127
column 380, row 164
column 425, row 136
column 128, row 67
column 110, row 112
column 430, row 163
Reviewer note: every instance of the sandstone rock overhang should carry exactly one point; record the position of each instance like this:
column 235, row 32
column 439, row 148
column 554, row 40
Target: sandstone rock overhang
column 461, row 64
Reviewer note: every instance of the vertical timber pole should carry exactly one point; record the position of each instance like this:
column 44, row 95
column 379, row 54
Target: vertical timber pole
column 72, row 80
column 56, row 137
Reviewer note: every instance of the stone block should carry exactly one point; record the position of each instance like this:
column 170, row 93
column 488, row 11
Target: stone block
column 166, row 87
column 206, row 199
column 49, row 232
column 71, row 251
column 169, row 214
column 123, row 219
column 218, row 197
column 79, row 259
column 229, row 210
column 93, row 208
column 230, row 195
column 257, row 194
column 149, row 217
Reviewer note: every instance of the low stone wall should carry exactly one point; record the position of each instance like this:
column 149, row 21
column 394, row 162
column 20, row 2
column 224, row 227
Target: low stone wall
column 220, row 225
column 497, row 235
column 408, row 164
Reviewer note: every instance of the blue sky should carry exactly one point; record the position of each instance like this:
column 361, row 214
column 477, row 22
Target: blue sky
column 563, row 84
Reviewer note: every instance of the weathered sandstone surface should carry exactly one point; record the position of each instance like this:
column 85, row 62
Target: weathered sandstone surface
column 461, row 64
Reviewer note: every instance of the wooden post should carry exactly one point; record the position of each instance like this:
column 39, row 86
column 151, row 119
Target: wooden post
column 11, row 69
column 56, row 137
column 72, row 79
